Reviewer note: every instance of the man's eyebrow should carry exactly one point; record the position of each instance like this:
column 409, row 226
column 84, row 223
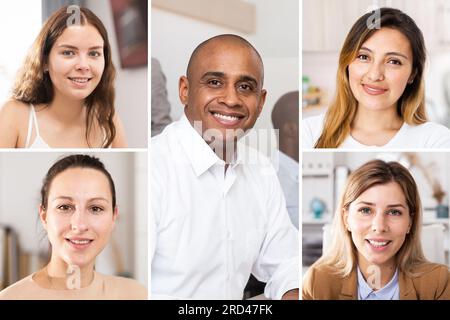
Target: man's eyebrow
column 220, row 74
column 214, row 74
column 248, row 79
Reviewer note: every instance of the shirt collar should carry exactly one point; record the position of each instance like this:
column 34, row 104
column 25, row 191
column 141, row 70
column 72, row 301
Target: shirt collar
column 199, row 153
column 386, row 293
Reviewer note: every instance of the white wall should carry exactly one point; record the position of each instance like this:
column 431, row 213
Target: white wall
column 174, row 37
column 22, row 174
column 131, row 84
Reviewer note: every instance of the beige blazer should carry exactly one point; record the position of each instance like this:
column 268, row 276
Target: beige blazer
column 432, row 283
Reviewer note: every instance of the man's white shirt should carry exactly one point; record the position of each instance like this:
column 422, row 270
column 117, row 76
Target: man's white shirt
column 210, row 230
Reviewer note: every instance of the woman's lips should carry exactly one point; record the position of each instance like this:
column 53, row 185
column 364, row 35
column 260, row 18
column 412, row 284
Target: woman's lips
column 373, row 90
column 79, row 244
column 378, row 245
column 79, row 82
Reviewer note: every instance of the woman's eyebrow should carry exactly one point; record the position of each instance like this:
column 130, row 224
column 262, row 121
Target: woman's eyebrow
column 68, row 46
column 391, row 53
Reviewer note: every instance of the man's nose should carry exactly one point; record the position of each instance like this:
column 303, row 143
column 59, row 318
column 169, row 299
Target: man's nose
column 230, row 97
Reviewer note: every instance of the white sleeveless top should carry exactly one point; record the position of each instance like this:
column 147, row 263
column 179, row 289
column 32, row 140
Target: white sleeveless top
column 38, row 142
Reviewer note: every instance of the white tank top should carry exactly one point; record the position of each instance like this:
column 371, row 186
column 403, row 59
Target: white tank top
column 38, row 142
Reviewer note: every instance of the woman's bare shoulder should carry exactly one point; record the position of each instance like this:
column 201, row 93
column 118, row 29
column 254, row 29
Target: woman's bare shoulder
column 14, row 110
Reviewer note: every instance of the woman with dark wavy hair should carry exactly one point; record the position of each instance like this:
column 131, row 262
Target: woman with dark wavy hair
column 64, row 93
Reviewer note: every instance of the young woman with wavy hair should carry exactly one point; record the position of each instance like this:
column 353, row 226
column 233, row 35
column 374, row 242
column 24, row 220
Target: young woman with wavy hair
column 375, row 250
column 64, row 93
column 380, row 99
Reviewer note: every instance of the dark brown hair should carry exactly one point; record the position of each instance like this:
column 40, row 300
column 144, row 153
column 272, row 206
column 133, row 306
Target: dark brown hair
column 33, row 84
column 74, row 161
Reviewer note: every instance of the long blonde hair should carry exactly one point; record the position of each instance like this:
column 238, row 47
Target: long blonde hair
column 341, row 256
column 410, row 106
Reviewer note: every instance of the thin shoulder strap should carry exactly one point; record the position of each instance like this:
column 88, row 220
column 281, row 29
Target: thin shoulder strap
column 35, row 121
column 30, row 126
column 32, row 118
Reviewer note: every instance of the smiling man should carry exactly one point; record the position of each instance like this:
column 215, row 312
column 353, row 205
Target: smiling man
column 218, row 212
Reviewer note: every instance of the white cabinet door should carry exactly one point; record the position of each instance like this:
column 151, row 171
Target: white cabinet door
column 312, row 25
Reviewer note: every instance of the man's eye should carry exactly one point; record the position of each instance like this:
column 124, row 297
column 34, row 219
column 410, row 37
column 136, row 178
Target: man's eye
column 246, row 87
column 214, row 83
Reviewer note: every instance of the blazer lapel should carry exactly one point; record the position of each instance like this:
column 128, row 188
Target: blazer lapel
column 349, row 287
column 406, row 286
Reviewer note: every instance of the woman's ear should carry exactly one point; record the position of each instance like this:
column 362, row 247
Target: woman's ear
column 115, row 215
column 43, row 216
column 345, row 219
column 412, row 76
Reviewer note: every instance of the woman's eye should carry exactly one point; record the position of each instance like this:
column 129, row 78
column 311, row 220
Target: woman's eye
column 394, row 212
column 395, row 62
column 363, row 57
column 96, row 209
column 68, row 53
column 365, row 210
column 94, row 54
column 64, row 207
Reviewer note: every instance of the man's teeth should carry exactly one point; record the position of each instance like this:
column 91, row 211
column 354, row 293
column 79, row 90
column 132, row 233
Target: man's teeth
column 80, row 241
column 225, row 117
column 378, row 243
column 80, row 80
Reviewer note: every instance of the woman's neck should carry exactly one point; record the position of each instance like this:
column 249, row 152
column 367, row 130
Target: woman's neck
column 67, row 110
column 61, row 276
column 377, row 276
column 377, row 120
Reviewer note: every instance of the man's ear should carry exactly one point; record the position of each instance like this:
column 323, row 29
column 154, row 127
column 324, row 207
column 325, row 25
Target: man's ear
column 261, row 101
column 43, row 216
column 183, row 90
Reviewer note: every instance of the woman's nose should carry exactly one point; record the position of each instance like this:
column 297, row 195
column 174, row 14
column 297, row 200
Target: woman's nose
column 78, row 221
column 375, row 72
column 379, row 223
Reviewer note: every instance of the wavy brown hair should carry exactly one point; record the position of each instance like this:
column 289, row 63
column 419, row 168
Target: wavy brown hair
column 410, row 106
column 33, row 84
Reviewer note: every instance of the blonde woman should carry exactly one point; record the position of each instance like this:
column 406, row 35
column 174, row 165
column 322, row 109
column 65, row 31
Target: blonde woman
column 375, row 252
column 380, row 100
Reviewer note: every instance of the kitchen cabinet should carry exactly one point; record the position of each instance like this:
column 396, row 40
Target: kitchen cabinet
column 326, row 23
